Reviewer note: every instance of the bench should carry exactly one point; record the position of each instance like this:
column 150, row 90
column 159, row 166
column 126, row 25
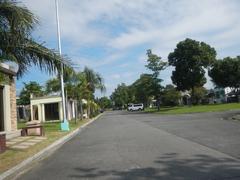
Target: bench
column 24, row 131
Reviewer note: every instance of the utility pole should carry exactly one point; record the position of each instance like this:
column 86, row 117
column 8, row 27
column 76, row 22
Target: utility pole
column 64, row 123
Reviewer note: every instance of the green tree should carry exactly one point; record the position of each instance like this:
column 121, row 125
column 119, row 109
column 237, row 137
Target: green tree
column 53, row 85
column 105, row 102
column 30, row 88
column 120, row 96
column 189, row 58
column 145, row 88
column 226, row 72
column 94, row 81
column 199, row 94
column 77, row 88
column 16, row 43
column 170, row 96
column 156, row 65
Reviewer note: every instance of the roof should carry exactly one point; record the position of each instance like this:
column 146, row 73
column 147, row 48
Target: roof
column 45, row 97
column 6, row 70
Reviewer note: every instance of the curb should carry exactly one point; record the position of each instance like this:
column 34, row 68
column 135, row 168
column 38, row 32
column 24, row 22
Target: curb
column 45, row 152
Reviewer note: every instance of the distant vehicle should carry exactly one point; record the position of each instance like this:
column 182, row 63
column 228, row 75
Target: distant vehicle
column 117, row 108
column 135, row 107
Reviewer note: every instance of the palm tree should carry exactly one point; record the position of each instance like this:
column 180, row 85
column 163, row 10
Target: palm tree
column 16, row 43
column 94, row 81
column 80, row 85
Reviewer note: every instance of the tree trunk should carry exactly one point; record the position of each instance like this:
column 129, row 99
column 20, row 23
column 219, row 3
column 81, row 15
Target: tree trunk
column 88, row 109
column 81, row 109
column 192, row 96
column 158, row 103
column 75, row 110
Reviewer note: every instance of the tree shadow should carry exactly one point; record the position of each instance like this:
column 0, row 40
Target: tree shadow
column 171, row 166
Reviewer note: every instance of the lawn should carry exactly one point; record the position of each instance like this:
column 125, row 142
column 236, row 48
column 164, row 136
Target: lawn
column 12, row 157
column 194, row 109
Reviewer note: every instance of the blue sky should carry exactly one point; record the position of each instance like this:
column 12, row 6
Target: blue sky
column 112, row 36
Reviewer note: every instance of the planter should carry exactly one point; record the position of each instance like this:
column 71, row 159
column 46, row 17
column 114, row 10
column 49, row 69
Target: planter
column 2, row 142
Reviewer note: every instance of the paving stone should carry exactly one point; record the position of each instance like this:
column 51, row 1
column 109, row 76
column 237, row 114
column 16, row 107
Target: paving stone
column 25, row 137
column 27, row 143
column 10, row 142
column 20, row 147
column 34, row 140
column 16, row 140
column 42, row 138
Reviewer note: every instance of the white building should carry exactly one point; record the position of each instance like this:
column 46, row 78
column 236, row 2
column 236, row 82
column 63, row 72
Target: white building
column 49, row 108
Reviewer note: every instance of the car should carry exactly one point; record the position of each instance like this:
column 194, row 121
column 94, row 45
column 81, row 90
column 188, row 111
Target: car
column 135, row 107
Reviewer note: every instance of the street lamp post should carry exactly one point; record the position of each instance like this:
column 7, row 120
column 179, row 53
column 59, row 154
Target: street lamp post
column 64, row 123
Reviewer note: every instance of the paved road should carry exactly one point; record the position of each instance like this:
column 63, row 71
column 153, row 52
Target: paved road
column 122, row 145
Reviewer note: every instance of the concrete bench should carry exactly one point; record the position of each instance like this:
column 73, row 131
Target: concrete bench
column 25, row 130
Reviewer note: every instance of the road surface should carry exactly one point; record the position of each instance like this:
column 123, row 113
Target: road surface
column 124, row 145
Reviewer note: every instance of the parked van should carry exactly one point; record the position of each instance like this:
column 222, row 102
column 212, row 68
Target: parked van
column 135, row 107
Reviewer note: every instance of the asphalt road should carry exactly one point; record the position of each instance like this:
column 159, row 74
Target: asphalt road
column 122, row 145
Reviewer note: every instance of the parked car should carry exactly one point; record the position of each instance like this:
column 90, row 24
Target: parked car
column 135, row 107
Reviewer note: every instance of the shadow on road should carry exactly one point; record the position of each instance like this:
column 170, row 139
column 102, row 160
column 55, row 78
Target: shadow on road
column 171, row 166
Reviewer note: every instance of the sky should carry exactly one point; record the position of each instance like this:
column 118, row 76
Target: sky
column 112, row 36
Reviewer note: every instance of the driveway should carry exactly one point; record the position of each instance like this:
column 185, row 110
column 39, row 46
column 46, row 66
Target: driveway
column 122, row 145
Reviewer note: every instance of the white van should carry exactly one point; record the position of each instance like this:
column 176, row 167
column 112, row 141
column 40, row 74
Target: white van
column 135, row 107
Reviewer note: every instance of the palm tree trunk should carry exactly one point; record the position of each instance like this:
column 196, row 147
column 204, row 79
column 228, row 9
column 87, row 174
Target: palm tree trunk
column 81, row 109
column 75, row 110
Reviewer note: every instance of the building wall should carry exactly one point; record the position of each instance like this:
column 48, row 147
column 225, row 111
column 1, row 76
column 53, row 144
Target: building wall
column 7, row 108
column 13, row 105
column 40, row 102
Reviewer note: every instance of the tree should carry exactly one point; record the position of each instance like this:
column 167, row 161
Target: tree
column 30, row 88
column 156, row 65
column 189, row 58
column 105, row 102
column 145, row 88
column 16, row 43
column 77, row 88
column 120, row 96
column 170, row 96
column 94, row 81
column 53, row 86
column 226, row 72
column 199, row 94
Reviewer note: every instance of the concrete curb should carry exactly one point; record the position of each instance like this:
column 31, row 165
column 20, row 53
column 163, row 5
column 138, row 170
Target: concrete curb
column 45, row 152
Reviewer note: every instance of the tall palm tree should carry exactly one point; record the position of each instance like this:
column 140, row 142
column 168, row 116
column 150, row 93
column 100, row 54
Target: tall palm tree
column 95, row 80
column 16, row 43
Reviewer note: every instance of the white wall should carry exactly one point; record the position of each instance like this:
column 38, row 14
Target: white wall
column 7, row 108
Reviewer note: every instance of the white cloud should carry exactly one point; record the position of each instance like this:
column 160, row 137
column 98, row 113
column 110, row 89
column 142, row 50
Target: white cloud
column 119, row 26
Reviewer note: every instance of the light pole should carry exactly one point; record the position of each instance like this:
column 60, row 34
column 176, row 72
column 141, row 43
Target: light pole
column 64, row 123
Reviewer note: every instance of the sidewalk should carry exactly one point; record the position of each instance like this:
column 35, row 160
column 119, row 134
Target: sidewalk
column 22, row 151
column 24, row 142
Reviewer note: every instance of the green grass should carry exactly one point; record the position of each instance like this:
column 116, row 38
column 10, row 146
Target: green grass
column 194, row 109
column 11, row 157
column 53, row 126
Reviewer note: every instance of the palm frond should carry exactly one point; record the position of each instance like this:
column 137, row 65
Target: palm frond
column 16, row 44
